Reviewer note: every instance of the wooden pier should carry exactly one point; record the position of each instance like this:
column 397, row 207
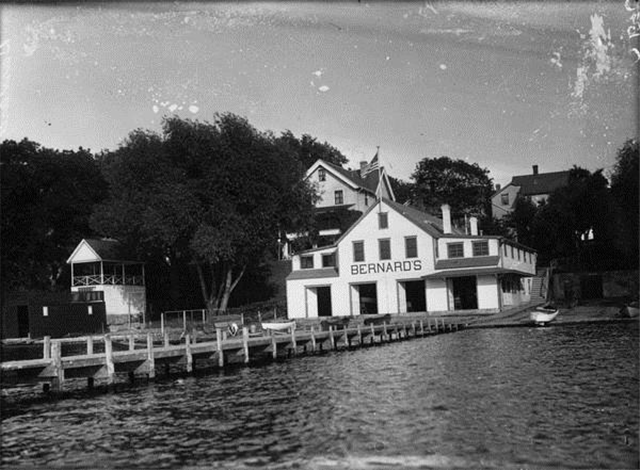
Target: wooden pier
column 144, row 358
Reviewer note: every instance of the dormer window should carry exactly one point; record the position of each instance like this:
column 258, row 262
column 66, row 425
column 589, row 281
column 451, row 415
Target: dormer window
column 481, row 248
column 504, row 199
column 339, row 197
column 455, row 250
column 306, row 262
column 322, row 174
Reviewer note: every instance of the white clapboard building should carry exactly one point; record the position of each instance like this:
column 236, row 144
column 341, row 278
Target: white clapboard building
column 397, row 259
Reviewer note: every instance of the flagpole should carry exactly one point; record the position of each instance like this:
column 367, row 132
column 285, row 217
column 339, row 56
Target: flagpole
column 379, row 189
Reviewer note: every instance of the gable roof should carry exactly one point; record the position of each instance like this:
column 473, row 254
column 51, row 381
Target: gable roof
column 369, row 183
column 105, row 249
column 542, row 183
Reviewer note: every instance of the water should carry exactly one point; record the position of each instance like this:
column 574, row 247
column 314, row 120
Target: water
column 561, row 397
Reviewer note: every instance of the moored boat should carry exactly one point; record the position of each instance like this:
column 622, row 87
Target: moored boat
column 279, row 326
column 632, row 309
column 543, row 315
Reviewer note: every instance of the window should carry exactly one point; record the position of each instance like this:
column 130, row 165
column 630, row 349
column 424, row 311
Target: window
column 385, row 248
column 90, row 309
column 45, row 311
column 455, row 250
column 411, row 247
column 504, row 199
column 306, row 262
column 383, row 220
column 504, row 249
column 512, row 252
column 322, row 174
column 518, row 250
column 481, row 248
column 339, row 197
column 358, row 251
column 328, row 260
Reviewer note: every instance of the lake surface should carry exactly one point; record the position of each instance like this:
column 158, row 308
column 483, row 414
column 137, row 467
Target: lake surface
column 556, row 397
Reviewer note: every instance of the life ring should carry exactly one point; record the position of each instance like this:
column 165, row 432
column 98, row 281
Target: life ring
column 233, row 329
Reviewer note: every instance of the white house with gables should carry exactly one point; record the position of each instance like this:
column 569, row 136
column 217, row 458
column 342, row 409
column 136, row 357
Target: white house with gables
column 99, row 269
column 340, row 190
column 397, row 259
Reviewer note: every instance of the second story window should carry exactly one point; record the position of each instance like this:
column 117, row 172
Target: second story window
column 504, row 199
column 411, row 247
column 322, row 174
column 455, row 250
column 358, row 251
column 328, row 260
column 306, row 262
column 339, row 196
column 383, row 220
column 481, row 248
column 385, row 248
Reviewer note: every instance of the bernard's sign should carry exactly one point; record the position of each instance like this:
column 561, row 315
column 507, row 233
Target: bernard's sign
column 386, row 267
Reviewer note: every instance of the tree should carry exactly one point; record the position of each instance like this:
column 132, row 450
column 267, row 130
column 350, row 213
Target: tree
column 308, row 149
column 465, row 187
column 213, row 196
column 625, row 190
column 401, row 189
column 520, row 221
column 46, row 200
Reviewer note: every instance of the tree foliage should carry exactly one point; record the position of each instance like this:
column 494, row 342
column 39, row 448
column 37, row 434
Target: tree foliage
column 46, row 200
column 308, row 149
column 401, row 189
column 466, row 187
column 214, row 196
column 626, row 193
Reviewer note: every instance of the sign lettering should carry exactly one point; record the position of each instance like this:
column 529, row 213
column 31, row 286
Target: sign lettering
column 386, row 267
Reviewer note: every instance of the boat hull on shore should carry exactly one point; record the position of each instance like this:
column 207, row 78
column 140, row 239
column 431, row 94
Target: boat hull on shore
column 543, row 315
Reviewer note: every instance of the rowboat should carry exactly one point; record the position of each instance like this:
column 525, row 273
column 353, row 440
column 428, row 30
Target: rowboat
column 543, row 315
column 279, row 326
column 632, row 309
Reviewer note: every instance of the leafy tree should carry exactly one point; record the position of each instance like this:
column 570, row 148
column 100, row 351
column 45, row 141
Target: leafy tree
column 401, row 189
column 625, row 190
column 308, row 149
column 464, row 186
column 46, row 200
column 212, row 196
column 520, row 221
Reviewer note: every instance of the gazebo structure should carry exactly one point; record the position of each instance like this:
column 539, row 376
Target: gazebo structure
column 99, row 271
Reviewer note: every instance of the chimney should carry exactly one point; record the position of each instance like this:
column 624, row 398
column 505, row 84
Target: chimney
column 535, row 169
column 473, row 222
column 363, row 166
column 446, row 218
column 498, row 187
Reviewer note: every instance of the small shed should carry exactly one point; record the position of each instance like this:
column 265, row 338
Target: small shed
column 101, row 266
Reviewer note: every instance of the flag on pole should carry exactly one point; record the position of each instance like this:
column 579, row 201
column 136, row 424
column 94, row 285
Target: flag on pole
column 372, row 166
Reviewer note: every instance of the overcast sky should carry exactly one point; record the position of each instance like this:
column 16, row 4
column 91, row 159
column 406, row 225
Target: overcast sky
column 504, row 85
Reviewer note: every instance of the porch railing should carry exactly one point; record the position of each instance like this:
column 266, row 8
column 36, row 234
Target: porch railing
column 108, row 279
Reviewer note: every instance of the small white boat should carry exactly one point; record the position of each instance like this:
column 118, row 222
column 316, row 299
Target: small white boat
column 543, row 315
column 279, row 326
column 632, row 309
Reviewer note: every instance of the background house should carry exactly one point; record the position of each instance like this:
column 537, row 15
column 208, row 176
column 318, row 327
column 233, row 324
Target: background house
column 537, row 187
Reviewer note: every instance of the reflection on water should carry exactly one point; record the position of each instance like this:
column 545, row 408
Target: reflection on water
column 563, row 397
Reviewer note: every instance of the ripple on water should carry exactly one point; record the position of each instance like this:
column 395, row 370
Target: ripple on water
column 556, row 398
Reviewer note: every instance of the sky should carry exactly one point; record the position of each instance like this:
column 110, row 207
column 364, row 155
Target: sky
column 506, row 85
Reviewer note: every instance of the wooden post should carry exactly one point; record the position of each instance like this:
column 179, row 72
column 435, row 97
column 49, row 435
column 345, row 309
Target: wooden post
column 332, row 342
column 56, row 355
column 166, row 339
column 359, row 335
column 162, row 323
column 184, row 320
column 413, row 329
column 313, row 340
column 132, row 344
column 108, row 359
column 346, row 337
column 46, row 353
column 245, row 343
column 373, row 334
column 421, row 328
column 219, row 344
column 187, row 352
column 384, row 336
column 89, row 345
column 274, row 346
column 204, row 316
column 294, row 345
column 428, row 325
column 151, row 364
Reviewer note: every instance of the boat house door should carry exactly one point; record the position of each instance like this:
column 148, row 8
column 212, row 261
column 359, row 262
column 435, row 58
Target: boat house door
column 465, row 293
column 324, row 301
